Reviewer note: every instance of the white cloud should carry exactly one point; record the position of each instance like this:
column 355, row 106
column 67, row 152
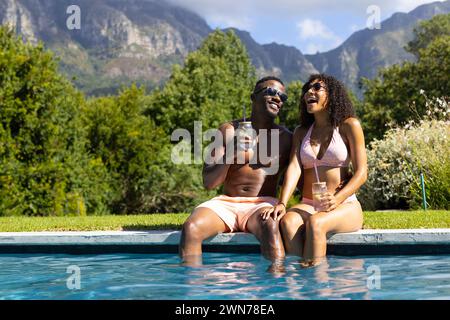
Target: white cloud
column 322, row 26
column 242, row 9
column 322, row 38
column 242, row 23
column 221, row 13
column 310, row 28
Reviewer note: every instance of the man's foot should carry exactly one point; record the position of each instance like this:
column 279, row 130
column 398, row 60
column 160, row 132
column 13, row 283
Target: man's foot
column 192, row 261
column 277, row 267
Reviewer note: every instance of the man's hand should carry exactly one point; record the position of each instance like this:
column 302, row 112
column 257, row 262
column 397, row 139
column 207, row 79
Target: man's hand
column 277, row 212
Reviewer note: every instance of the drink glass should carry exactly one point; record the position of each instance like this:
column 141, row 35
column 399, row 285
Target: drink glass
column 318, row 189
column 246, row 135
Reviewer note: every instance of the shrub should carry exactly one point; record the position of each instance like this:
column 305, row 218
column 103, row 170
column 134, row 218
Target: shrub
column 137, row 155
column 395, row 163
column 44, row 166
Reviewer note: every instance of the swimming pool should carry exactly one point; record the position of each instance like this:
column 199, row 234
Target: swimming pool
column 222, row 276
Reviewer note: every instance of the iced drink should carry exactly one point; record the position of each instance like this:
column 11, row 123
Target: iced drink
column 246, row 135
column 318, row 189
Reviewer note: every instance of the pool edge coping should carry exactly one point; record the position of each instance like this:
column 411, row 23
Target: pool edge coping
column 365, row 237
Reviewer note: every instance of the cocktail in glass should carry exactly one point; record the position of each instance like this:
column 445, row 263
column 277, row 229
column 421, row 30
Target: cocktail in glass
column 246, row 136
column 318, row 190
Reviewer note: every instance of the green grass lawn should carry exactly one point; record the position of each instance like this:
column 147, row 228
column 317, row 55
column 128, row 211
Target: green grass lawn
column 372, row 220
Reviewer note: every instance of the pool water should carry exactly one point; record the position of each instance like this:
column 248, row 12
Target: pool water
column 222, row 276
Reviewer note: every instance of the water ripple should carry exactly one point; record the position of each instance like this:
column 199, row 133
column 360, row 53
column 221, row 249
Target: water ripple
column 223, row 276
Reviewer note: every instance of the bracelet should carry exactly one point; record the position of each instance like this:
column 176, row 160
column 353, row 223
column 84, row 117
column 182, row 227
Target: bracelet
column 282, row 204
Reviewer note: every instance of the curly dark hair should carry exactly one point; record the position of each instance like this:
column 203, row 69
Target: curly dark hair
column 340, row 106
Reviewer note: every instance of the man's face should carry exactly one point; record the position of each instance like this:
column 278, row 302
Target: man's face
column 268, row 97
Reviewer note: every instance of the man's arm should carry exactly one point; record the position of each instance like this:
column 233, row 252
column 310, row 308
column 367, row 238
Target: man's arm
column 214, row 173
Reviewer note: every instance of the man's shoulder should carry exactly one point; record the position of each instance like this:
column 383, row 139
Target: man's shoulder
column 284, row 131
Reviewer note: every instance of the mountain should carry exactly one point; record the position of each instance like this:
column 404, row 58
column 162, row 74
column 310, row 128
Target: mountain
column 366, row 51
column 286, row 62
column 124, row 41
column 136, row 40
column 119, row 41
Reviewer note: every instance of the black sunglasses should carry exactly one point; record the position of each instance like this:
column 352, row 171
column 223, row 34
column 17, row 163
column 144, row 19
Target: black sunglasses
column 316, row 86
column 273, row 92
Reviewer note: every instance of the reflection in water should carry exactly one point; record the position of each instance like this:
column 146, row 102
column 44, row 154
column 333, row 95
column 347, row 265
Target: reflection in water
column 338, row 278
column 341, row 278
column 224, row 276
column 224, row 279
column 332, row 278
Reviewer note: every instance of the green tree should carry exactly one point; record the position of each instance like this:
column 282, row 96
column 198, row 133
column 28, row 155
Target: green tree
column 394, row 97
column 44, row 166
column 290, row 113
column 212, row 86
column 427, row 32
column 137, row 154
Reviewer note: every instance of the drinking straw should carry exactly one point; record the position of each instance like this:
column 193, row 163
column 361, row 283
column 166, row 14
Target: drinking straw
column 317, row 174
column 244, row 112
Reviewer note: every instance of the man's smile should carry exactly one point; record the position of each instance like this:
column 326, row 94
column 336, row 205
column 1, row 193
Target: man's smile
column 274, row 106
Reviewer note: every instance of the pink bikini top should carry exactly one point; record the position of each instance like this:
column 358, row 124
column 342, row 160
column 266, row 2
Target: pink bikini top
column 335, row 156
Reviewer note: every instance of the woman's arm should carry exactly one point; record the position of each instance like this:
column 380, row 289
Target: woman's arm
column 352, row 130
column 291, row 177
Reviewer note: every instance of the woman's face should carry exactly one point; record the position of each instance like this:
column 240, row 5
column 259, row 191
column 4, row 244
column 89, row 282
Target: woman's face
column 316, row 98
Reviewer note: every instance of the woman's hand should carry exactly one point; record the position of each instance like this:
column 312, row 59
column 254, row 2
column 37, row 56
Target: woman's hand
column 277, row 212
column 328, row 202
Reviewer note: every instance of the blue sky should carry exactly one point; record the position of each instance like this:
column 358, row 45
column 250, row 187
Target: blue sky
column 311, row 26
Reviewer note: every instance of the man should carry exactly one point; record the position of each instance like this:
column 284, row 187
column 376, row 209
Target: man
column 248, row 186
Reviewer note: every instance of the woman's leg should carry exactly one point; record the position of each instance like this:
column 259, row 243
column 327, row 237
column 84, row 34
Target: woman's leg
column 292, row 228
column 346, row 218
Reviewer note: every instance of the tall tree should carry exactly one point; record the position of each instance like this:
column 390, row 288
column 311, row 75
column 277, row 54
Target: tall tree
column 290, row 113
column 395, row 96
column 44, row 166
column 212, row 86
column 136, row 153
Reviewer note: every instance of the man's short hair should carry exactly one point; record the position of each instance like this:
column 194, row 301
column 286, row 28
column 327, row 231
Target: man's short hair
column 268, row 78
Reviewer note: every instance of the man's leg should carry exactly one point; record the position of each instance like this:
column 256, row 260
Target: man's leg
column 268, row 234
column 201, row 224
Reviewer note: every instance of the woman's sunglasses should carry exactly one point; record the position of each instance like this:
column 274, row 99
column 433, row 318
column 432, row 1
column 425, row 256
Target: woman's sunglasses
column 269, row 91
column 316, row 86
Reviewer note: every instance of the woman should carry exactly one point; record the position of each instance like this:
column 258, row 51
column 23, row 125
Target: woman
column 327, row 139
